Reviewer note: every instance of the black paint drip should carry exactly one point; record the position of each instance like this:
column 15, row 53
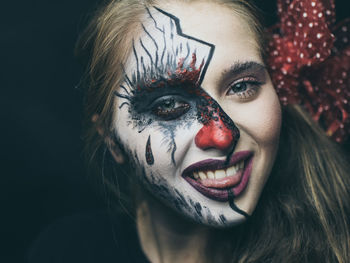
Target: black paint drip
column 231, row 198
column 149, row 154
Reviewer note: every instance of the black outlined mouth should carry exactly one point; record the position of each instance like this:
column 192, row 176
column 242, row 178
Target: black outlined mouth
column 235, row 183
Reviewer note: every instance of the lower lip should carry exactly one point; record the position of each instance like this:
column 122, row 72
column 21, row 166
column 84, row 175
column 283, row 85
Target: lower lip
column 222, row 195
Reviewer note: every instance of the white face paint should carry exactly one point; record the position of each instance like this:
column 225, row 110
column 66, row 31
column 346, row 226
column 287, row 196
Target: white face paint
column 198, row 114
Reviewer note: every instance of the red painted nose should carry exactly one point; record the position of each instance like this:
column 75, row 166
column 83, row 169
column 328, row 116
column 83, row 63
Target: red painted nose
column 214, row 134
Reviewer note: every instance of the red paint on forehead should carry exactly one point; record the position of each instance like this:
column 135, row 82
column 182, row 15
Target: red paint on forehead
column 188, row 74
column 186, row 77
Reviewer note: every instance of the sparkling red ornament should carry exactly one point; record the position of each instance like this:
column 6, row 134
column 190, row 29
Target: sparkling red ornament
column 309, row 62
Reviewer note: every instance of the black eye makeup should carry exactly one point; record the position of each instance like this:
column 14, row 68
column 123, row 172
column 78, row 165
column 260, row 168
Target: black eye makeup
column 170, row 107
column 163, row 100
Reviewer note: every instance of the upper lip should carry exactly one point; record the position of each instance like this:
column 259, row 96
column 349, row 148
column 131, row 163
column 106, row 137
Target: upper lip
column 213, row 164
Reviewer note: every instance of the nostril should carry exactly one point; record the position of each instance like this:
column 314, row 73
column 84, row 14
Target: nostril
column 214, row 134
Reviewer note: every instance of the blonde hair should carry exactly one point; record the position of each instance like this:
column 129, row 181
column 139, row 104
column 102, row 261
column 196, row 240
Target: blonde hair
column 302, row 214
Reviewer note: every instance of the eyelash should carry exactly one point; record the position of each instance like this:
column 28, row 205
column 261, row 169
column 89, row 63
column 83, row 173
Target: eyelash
column 172, row 113
column 249, row 92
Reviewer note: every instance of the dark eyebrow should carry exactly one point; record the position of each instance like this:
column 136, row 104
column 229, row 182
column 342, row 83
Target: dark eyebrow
column 239, row 69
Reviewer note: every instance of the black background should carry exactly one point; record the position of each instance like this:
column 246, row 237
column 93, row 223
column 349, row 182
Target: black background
column 42, row 174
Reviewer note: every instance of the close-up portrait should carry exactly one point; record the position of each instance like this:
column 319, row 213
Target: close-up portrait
column 171, row 131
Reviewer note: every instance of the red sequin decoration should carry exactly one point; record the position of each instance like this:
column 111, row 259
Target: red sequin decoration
column 309, row 62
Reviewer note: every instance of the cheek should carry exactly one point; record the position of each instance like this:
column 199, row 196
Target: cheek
column 261, row 119
column 137, row 145
column 159, row 147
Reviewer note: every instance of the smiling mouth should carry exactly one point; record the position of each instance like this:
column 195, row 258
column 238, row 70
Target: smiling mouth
column 218, row 179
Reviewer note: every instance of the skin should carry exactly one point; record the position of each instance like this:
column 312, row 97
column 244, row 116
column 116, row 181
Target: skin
column 161, row 149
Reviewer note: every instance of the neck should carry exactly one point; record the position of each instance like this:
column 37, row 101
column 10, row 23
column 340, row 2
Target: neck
column 167, row 237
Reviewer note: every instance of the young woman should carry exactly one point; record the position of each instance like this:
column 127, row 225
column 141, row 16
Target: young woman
column 185, row 128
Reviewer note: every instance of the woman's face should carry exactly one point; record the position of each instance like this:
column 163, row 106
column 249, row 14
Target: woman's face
column 197, row 112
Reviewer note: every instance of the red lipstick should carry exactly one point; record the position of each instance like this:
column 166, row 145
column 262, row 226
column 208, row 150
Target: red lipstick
column 217, row 189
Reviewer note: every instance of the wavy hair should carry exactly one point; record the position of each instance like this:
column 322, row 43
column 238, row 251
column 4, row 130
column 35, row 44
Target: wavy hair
column 302, row 215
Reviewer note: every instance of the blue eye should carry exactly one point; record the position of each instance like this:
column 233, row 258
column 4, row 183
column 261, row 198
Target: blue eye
column 244, row 89
column 239, row 87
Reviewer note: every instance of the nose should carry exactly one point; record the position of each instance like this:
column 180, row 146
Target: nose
column 216, row 134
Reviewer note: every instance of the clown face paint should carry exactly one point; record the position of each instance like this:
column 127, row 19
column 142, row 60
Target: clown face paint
column 197, row 113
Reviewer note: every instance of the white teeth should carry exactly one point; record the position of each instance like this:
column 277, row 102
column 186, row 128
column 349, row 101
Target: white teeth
column 202, row 175
column 210, row 175
column 241, row 165
column 231, row 171
column 220, row 174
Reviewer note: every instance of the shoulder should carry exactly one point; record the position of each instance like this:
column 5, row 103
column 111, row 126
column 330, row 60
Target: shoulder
column 89, row 237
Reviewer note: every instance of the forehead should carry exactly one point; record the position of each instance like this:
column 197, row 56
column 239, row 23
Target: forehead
column 215, row 23
column 207, row 24
column 221, row 26
column 202, row 19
